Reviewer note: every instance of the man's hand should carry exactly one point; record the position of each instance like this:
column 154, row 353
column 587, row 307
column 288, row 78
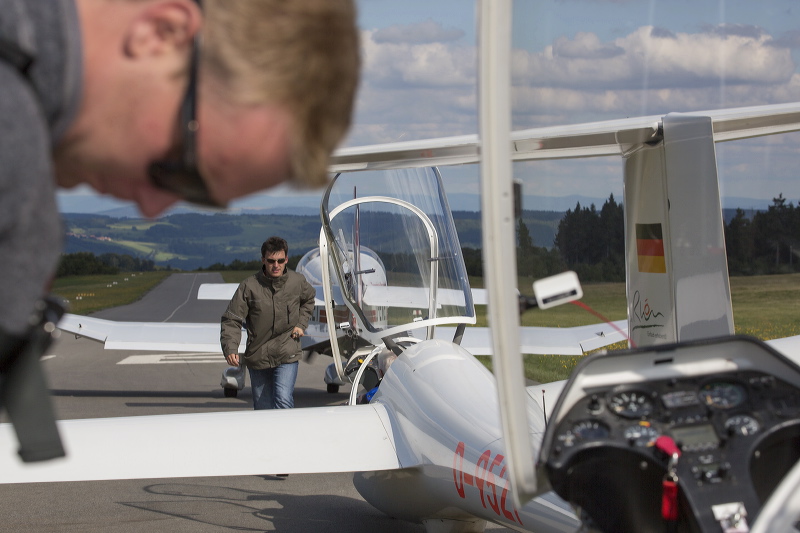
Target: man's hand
column 297, row 333
column 232, row 359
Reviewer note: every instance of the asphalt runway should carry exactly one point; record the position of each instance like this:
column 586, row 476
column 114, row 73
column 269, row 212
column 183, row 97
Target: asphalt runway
column 89, row 382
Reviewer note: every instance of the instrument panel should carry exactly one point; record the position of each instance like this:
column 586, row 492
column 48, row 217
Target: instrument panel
column 705, row 429
column 738, row 433
column 701, row 414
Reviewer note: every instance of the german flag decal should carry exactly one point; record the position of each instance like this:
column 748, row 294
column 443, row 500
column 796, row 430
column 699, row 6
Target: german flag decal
column 650, row 248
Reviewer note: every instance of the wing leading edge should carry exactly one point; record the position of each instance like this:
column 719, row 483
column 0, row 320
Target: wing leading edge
column 292, row 441
column 165, row 336
column 171, row 336
column 225, row 291
column 789, row 346
column 539, row 340
column 205, row 337
column 606, row 138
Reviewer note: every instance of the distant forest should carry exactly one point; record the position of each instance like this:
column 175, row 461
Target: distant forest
column 592, row 243
column 87, row 264
column 584, row 239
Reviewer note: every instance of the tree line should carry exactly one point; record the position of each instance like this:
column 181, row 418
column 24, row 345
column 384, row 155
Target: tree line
column 592, row 243
column 88, row 264
column 589, row 241
column 767, row 243
column 253, row 265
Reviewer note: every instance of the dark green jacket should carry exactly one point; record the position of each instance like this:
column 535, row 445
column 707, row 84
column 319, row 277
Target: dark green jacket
column 269, row 308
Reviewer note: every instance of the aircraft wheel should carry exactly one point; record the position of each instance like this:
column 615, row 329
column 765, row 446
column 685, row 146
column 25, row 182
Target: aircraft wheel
column 229, row 392
column 333, row 388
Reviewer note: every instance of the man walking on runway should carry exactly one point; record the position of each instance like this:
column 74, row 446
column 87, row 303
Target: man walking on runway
column 274, row 305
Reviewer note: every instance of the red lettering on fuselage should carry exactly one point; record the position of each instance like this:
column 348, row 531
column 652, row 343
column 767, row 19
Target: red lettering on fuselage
column 458, row 469
column 506, row 512
column 485, row 480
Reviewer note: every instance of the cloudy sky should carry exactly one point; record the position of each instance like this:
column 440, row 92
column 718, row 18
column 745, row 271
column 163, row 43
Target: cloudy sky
column 577, row 61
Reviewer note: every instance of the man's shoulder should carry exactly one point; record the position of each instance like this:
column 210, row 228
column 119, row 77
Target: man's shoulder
column 249, row 280
column 292, row 275
column 298, row 280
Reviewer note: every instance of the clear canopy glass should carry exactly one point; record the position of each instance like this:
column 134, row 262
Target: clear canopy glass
column 394, row 252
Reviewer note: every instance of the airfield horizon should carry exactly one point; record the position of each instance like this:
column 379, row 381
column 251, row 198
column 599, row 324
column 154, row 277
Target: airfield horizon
column 765, row 307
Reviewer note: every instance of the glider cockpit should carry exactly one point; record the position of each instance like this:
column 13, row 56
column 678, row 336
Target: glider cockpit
column 698, row 435
column 389, row 247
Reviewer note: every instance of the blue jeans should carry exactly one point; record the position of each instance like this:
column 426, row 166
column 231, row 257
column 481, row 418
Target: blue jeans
column 273, row 388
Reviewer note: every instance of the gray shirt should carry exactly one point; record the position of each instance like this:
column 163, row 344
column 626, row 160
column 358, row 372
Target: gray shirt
column 36, row 108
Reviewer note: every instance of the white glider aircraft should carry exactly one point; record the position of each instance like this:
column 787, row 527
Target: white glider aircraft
column 377, row 296
column 693, row 431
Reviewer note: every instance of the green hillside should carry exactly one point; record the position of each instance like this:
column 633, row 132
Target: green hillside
column 191, row 241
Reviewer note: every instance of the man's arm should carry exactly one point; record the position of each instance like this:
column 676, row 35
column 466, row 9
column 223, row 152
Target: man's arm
column 231, row 326
column 307, row 297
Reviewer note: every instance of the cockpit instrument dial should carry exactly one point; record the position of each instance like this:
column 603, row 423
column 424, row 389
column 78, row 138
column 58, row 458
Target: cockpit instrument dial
column 641, row 434
column 583, row 431
column 742, row 425
column 588, row 430
column 722, row 394
column 631, row 404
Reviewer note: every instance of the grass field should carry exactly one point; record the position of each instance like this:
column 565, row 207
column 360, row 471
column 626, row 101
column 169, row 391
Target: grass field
column 766, row 307
column 87, row 294
column 235, row 276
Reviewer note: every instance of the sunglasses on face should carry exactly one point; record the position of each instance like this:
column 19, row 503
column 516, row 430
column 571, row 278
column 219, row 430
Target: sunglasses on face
column 182, row 176
column 279, row 261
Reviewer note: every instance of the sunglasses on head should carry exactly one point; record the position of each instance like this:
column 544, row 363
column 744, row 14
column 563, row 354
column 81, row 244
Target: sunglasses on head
column 182, row 176
column 280, row 261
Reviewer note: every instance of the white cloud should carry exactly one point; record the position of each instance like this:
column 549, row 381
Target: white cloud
column 402, row 64
column 416, row 88
column 650, row 71
column 585, row 46
column 789, row 39
column 650, row 58
column 424, row 32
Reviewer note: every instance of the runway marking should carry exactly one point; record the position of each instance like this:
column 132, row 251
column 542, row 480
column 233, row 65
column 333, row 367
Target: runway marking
column 188, row 297
column 172, row 358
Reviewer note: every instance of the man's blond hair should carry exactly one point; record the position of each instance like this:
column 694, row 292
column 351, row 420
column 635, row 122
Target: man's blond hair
column 300, row 54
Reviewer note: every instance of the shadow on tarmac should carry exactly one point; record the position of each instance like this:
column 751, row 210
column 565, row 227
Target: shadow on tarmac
column 268, row 510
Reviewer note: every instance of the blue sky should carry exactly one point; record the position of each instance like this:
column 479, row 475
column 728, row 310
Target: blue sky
column 580, row 61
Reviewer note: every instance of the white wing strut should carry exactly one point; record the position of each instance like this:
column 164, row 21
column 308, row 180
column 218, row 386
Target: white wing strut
column 499, row 249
